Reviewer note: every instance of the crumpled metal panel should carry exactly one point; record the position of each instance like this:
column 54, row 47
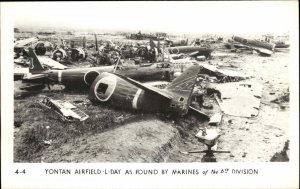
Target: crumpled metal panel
column 240, row 98
column 65, row 109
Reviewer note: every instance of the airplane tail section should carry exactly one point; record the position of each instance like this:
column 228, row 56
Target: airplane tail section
column 186, row 81
column 152, row 44
column 182, row 88
column 35, row 64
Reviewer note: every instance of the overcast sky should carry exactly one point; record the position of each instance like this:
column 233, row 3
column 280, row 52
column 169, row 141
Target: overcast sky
column 182, row 17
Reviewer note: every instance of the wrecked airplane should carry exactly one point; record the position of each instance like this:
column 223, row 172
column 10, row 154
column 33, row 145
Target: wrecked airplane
column 84, row 77
column 176, row 43
column 123, row 92
column 264, row 48
column 191, row 50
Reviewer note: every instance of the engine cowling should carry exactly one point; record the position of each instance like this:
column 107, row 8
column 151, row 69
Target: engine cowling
column 78, row 54
column 59, row 54
column 108, row 88
column 40, row 48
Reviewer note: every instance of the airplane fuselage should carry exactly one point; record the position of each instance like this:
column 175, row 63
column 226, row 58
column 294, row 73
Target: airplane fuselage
column 79, row 77
column 115, row 91
column 254, row 43
column 190, row 49
column 119, row 93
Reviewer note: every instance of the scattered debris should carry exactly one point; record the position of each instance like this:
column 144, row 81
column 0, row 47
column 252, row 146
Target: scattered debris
column 48, row 142
column 222, row 55
column 119, row 119
column 65, row 109
column 78, row 101
column 235, row 61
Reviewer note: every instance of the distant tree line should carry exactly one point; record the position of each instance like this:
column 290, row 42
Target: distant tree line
column 46, row 33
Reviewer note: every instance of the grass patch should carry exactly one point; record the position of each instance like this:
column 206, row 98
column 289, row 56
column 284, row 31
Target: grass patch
column 38, row 124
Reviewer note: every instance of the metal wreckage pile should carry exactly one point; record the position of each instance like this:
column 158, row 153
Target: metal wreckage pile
column 182, row 78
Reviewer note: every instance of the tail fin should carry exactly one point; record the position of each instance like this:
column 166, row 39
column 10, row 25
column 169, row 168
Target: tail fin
column 35, row 65
column 183, row 86
column 186, row 81
column 152, row 44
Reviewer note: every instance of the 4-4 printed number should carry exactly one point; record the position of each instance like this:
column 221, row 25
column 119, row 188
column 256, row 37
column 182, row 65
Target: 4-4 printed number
column 20, row 172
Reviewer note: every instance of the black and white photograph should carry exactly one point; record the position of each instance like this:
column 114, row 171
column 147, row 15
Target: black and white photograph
column 151, row 82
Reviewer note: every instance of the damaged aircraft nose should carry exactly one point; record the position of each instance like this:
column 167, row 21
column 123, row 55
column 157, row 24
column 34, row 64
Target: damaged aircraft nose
column 103, row 87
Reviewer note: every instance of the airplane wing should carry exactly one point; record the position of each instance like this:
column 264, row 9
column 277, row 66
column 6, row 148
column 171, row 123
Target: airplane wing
column 264, row 51
column 198, row 112
column 145, row 88
column 260, row 50
column 29, row 76
column 240, row 45
column 34, row 81
column 32, row 86
column 51, row 63
column 24, row 42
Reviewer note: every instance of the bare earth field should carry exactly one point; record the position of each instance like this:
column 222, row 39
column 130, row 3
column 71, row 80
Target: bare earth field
column 111, row 135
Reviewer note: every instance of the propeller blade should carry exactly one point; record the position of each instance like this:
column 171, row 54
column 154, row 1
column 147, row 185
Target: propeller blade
column 84, row 42
column 96, row 42
column 193, row 152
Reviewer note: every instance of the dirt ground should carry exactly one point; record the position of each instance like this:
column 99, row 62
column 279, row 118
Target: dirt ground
column 114, row 135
